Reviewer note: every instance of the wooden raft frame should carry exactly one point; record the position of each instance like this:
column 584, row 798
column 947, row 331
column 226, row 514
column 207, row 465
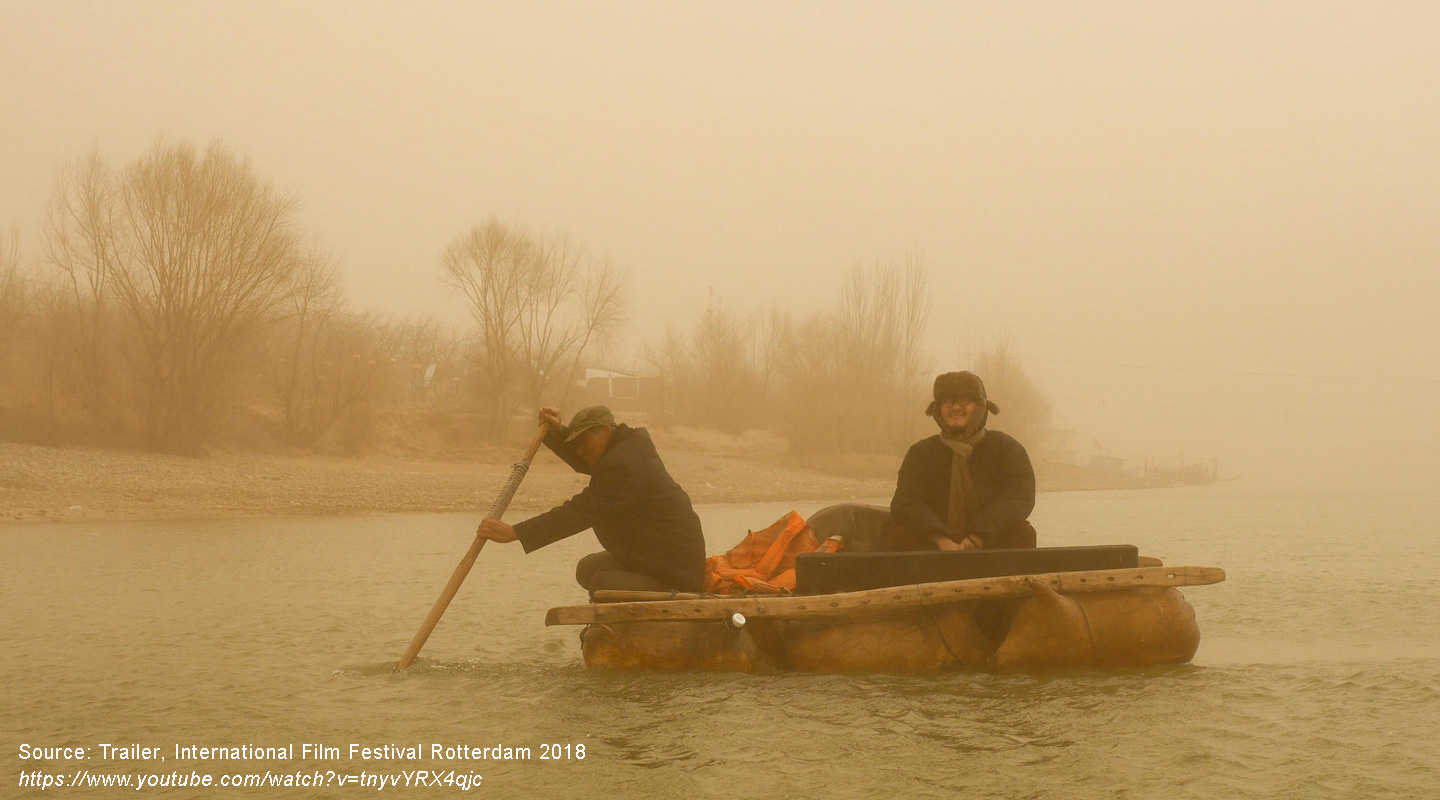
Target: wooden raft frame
column 920, row 594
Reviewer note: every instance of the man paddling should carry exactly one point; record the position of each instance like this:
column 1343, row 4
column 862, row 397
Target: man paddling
column 641, row 516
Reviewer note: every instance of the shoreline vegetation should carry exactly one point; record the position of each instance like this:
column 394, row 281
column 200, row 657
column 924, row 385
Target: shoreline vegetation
column 179, row 304
column 124, row 327
column 78, row 484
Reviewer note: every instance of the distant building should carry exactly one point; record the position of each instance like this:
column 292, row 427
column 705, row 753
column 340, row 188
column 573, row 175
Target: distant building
column 625, row 393
column 1053, row 445
column 1182, row 472
column 1106, row 463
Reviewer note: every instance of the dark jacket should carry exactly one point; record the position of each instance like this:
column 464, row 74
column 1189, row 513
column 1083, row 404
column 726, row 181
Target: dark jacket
column 639, row 513
column 1004, row 483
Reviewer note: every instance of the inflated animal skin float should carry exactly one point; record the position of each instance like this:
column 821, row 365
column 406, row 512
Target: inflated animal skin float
column 1032, row 609
column 1108, row 618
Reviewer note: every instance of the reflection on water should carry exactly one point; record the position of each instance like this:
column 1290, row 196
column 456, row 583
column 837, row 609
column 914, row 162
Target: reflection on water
column 1317, row 675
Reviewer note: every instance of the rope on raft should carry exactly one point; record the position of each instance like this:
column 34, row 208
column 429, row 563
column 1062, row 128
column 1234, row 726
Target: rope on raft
column 507, row 492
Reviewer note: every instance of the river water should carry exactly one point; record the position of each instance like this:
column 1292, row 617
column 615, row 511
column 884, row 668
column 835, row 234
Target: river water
column 1318, row 673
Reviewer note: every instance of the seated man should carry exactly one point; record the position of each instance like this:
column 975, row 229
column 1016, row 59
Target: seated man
column 642, row 518
column 967, row 487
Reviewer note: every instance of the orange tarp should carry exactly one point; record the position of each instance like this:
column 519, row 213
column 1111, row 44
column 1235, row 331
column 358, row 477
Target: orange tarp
column 764, row 561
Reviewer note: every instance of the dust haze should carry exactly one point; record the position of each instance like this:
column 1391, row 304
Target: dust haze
column 1195, row 231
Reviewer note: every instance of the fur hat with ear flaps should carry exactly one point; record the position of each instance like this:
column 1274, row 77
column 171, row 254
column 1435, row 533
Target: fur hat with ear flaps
column 960, row 384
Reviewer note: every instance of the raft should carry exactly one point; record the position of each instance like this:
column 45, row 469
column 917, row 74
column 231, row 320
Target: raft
column 1133, row 617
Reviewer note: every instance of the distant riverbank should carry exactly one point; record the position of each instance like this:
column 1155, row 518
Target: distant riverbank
column 72, row 484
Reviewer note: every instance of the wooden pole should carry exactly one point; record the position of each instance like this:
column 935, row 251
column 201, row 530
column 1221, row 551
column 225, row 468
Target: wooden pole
column 462, row 569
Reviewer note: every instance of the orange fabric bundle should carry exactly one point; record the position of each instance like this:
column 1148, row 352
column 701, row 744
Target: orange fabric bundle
column 764, row 561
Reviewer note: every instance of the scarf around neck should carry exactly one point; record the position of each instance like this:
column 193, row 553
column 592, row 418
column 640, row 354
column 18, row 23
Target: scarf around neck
column 962, row 488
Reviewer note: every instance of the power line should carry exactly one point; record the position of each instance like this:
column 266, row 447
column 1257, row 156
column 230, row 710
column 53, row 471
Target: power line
column 1205, row 371
column 1250, row 412
column 1237, row 372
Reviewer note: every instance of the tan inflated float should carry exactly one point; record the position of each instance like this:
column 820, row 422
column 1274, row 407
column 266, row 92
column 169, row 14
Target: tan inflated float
column 1096, row 618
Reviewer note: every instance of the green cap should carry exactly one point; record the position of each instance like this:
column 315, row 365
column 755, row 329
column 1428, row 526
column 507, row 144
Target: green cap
column 587, row 418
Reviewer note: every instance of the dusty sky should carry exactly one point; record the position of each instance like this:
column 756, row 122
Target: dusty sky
column 1211, row 188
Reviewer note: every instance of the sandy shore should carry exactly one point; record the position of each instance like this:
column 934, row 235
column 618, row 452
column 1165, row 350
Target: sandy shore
column 77, row 484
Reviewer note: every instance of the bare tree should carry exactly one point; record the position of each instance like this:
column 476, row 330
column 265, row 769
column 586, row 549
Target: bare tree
column 489, row 264
column 54, row 319
column 83, row 241
column 726, row 381
column 566, row 303
column 538, row 305
column 297, row 368
column 914, row 318
column 843, row 379
column 774, row 339
column 710, row 376
column 205, row 255
column 426, row 357
column 859, row 368
column 815, row 393
column 670, row 359
column 12, row 295
column 344, row 380
column 883, row 314
column 1026, row 412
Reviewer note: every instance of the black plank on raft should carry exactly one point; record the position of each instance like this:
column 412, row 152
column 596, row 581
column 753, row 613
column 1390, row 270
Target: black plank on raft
column 822, row 573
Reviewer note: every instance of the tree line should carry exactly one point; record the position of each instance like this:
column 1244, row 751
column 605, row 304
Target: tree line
column 177, row 301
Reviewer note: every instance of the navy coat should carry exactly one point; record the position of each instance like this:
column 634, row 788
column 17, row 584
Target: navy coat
column 1004, row 485
column 639, row 513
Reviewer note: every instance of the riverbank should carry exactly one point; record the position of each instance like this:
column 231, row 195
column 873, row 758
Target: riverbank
column 73, row 484
column 68, row 484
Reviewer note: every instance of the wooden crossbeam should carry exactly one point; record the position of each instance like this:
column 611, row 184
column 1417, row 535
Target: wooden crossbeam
column 922, row 594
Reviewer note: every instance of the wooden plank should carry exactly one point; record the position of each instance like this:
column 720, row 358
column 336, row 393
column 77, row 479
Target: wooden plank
column 832, row 573
column 637, row 596
column 924, row 594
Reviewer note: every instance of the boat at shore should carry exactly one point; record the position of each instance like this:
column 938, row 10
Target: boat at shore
column 1126, row 617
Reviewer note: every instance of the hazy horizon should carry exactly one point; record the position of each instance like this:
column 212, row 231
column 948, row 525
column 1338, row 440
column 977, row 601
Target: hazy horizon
column 1208, row 228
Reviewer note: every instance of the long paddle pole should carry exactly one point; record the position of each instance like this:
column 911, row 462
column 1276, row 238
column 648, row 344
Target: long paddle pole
column 517, row 474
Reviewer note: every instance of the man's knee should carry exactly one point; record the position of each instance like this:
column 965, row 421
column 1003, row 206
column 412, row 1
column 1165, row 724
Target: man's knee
column 863, row 527
column 593, row 564
column 618, row 580
column 1021, row 535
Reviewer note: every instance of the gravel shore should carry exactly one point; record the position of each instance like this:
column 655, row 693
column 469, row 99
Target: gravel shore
column 76, row 484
